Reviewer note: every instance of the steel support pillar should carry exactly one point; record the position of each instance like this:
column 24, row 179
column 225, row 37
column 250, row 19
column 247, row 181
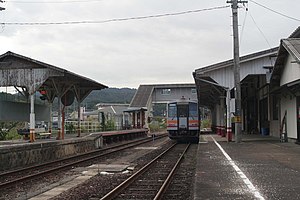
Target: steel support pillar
column 59, row 119
column 50, row 119
column 78, row 119
column 32, row 119
column 228, row 129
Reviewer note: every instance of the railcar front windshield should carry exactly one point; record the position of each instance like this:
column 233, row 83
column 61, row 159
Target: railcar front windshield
column 172, row 110
column 193, row 110
column 183, row 110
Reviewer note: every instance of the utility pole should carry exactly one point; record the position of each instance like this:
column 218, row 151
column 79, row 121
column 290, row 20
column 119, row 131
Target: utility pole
column 236, row 71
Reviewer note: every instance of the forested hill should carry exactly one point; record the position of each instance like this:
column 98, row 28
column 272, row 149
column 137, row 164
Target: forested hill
column 110, row 95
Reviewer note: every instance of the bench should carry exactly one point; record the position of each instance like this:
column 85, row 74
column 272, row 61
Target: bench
column 39, row 132
column 44, row 135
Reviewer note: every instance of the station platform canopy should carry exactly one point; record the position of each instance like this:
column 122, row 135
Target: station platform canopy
column 32, row 75
column 210, row 91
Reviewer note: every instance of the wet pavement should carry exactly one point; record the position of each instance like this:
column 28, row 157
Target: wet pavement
column 260, row 167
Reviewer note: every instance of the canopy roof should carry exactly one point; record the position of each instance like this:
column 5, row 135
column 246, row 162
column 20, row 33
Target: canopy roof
column 33, row 75
column 210, row 91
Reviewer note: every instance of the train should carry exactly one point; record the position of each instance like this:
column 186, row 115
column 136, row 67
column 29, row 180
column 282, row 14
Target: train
column 183, row 120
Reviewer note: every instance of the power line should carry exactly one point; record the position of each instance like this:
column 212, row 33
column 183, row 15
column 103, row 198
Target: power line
column 284, row 15
column 111, row 20
column 243, row 26
column 260, row 31
column 40, row 2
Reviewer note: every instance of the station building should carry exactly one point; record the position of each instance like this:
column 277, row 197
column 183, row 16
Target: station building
column 148, row 96
column 285, row 89
column 269, row 81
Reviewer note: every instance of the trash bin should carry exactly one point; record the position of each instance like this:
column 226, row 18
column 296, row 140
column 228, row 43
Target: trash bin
column 264, row 131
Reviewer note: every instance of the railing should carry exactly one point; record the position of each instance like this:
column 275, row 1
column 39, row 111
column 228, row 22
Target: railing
column 85, row 126
column 89, row 127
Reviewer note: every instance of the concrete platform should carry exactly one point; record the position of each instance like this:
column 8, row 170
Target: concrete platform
column 260, row 167
column 21, row 153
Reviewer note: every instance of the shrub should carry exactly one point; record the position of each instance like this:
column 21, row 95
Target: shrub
column 206, row 123
column 158, row 124
column 13, row 134
column 8, row 130
column 70, row 128
column 109, row 125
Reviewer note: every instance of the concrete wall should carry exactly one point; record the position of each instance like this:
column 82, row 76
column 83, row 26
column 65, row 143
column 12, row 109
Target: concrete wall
column 26, row 154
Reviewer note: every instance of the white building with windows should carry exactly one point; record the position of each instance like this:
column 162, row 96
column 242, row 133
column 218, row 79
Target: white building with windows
column 285, row 89
column 148, row 96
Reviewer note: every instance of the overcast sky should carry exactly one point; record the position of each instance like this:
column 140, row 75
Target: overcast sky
column 145, row 51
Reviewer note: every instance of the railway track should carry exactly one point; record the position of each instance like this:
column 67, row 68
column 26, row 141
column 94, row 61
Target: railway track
column 10, row 178
column 151, row 181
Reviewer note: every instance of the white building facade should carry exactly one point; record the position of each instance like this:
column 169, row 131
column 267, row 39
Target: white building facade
column 285, row 86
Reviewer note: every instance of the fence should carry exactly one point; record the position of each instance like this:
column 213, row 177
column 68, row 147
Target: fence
column 85, row 126
column 90, row 127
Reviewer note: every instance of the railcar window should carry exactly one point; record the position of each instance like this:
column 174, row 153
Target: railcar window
column 172, row 110
column 193, row 110
column 183, row 110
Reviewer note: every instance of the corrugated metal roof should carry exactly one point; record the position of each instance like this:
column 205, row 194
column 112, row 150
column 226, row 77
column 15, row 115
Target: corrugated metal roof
column 144, row 92
column 117, row 110
column 209, row 91
column 292, row 45
column 296, row 33
column 80, row 80
column 287, row 46
column 142, row 96
column 33, row 75
column 247, row 58
column 174, row 85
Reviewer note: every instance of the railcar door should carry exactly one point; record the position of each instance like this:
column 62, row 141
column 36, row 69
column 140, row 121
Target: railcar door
column 183, row 114
column 193, row 117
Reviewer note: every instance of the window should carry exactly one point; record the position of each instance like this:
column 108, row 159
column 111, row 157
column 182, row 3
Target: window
column 183, row 110
column 172, row 111
column 193, row 110
column 166, row 91
column 194, row 91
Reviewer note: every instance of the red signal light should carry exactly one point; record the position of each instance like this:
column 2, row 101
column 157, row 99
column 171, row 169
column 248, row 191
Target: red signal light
column 43, row 92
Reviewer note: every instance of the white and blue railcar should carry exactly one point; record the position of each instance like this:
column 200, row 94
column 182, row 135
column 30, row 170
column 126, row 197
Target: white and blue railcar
column 183, row 121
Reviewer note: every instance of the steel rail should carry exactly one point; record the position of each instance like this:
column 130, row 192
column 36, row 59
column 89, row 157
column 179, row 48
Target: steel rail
column 166, row 183
column 31, row 176
column 116, row 191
